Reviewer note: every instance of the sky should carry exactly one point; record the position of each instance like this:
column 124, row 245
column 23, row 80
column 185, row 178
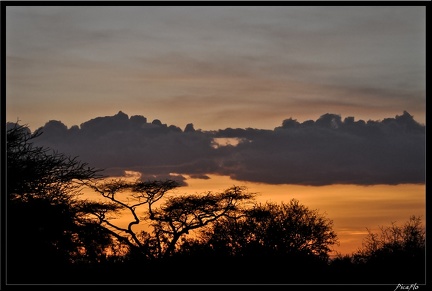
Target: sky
column 326, row 104
column 215, row 67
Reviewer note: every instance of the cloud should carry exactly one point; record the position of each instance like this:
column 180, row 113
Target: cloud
column 332, row 151
column 328, row 150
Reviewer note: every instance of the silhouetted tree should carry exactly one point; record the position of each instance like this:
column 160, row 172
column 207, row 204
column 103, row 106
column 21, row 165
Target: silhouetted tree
column 400, row 250
column 167, row 220
column 55, row 236
column 283, row 243
column 48, row 227
column 275, row 229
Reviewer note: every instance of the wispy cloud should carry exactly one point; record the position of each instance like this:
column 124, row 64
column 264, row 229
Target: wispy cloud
column 145, row 57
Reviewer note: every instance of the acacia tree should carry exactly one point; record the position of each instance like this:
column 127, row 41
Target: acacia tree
column 47, row 223
column 179, row 215
column 168, row 217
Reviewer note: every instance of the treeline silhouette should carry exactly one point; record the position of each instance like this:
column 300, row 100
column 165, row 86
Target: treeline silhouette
column 56, row 236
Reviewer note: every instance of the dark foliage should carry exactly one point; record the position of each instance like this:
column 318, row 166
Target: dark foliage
column 53, row 236
column 48, row 228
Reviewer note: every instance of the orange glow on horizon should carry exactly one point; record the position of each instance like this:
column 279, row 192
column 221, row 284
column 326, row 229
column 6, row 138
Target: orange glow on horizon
column 353, row 209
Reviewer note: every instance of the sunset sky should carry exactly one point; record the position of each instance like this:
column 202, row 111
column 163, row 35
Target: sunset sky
column 267, row 77
column 216, row 67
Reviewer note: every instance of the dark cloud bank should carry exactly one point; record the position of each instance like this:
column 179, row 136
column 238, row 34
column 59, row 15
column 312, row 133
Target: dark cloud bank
column 329, row 150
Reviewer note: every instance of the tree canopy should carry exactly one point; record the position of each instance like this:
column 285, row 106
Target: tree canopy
column 47, row 224
column 55, row 235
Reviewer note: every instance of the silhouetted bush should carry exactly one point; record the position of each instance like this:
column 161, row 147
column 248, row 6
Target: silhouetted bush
column 396, row 254
column 55, row 237
column 47, row 225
